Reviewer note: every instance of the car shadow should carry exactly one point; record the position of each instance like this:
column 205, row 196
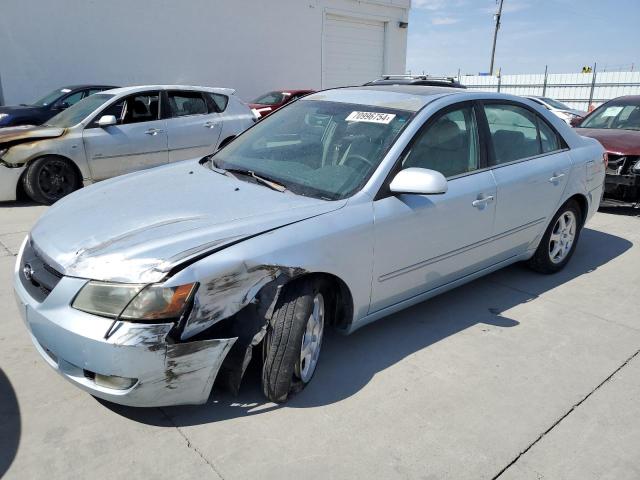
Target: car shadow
column 348, row 363
column 19, row 204
column 619, row 210
column 10, row 427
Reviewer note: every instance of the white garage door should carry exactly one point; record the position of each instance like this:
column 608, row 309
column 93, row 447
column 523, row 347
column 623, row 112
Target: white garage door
column 352, row 51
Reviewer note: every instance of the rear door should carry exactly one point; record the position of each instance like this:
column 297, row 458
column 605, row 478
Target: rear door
column 531, row 166
column 194, row 125
column 423, row 242
column 136, row 142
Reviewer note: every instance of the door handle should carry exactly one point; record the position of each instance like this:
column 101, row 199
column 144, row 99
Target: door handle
column 482, row 200
column 210, row 125
column 556, row 177
column 153, row 131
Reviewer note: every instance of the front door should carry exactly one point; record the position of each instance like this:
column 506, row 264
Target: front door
column 136, row 142
column 531, row 169
column 426, row 241
column 194, row 128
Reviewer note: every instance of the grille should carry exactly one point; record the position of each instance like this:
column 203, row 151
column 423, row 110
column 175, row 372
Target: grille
column 620, row 164
column 37, row 277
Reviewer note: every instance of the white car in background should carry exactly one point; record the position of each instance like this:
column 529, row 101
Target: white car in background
column 558, row 109
column 115, row 132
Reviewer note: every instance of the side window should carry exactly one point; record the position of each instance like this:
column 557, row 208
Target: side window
column 141, row 107
column 514, row 132
column 73, row 98
column 548, row 138
column 187, row 103
column 450, row 145
column 218, row 101
column 94, row 90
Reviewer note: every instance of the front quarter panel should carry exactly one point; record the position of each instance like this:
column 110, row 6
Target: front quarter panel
column 339, row 243
column 69, row 146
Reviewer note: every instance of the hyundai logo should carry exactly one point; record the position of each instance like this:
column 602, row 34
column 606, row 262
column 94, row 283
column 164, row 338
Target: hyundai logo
column 27, row 270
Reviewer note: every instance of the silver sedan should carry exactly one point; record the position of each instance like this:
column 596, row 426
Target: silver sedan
column 115, row 132
column 338, row 209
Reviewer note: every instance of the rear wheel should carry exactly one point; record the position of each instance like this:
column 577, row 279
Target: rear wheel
column 48, row 179
column 559, row 240
column 294, row 339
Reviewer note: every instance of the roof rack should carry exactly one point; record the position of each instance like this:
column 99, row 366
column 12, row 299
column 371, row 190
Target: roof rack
column 419, row 77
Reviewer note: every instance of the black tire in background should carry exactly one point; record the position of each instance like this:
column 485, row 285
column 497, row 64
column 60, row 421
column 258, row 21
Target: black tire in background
column 543, row 260
column 283, row 342
column 50, row 178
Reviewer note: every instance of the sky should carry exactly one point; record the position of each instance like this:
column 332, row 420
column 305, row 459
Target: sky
column 447, row 35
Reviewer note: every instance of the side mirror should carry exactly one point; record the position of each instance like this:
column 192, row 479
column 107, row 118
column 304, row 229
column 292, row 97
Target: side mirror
column 107, row 120
column 421, row 181
column 62, row 106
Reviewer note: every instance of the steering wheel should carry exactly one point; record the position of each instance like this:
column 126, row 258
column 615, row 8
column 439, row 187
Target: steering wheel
column 358, row 158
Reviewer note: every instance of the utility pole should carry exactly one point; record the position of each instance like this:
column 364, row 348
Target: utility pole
column 495, row 36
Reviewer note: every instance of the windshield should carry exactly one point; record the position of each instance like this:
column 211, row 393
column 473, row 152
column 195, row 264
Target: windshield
column 321, row 149
column 614, row 116
column 51, row 97
column 78, row 112
column 271, row 98
column 555, row 103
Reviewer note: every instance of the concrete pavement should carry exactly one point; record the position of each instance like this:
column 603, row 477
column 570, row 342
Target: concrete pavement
column 516, row 375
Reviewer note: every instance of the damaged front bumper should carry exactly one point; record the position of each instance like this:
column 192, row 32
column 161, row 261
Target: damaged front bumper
column 138, row 365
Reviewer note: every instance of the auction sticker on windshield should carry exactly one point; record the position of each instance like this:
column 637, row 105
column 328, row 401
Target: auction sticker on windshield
column 373, row 117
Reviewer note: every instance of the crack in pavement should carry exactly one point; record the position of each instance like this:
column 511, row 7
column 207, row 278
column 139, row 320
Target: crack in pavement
column 6, row 249
column 190, row 445
column 541, row 436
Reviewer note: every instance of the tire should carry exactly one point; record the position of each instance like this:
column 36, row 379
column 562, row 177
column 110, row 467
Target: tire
column 292, row 326
column 50, row 178
column 559, row 240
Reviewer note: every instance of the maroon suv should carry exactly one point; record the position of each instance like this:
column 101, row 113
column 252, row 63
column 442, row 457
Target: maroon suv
column 616, row 125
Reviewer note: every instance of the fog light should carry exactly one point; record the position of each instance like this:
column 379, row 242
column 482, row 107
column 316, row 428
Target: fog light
column 112, row 381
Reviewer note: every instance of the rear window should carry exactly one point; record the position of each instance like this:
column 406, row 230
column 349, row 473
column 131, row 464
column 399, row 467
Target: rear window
column 218, row 101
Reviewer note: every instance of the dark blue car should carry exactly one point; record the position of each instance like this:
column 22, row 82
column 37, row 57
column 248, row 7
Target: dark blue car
column 51, row 104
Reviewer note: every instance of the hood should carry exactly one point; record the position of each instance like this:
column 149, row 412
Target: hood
column 575, row 112
column 26, row 133
column 137, row 227
column 263, row 108
column 616, row 141
column 18, row 109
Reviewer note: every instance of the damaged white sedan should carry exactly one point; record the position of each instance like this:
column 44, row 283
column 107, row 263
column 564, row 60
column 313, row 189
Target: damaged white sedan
column 338, row 209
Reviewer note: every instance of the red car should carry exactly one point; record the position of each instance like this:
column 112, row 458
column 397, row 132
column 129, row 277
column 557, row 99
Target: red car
column 267, row 103
column 616, row 125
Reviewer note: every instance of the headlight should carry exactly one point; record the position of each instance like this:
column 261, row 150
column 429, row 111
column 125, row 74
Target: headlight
column 3, row 116
column 134, row 302
column 636, row 167
column 3, row 151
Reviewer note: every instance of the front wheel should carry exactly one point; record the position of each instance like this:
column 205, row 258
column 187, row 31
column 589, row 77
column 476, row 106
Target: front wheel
column 48, row 179
column 294, row 338
column 559, row 240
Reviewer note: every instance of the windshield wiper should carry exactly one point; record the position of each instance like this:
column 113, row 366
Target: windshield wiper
column 260, row 179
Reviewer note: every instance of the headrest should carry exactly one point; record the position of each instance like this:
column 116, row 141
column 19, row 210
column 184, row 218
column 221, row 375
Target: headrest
column 139, row 107
column 503, row 137
column 444, row 134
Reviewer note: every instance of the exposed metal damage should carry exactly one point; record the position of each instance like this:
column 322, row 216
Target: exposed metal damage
column 237, row 305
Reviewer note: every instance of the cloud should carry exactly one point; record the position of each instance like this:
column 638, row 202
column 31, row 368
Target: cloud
column 444, row 20
column 435, row 5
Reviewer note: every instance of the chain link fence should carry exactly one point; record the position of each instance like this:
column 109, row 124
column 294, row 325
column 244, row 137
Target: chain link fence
column 577, row 90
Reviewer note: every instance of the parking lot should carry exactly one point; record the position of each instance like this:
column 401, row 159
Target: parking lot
column 515, row 375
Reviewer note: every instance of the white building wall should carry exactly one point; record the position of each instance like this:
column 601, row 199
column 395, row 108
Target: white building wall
column 250, row 45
